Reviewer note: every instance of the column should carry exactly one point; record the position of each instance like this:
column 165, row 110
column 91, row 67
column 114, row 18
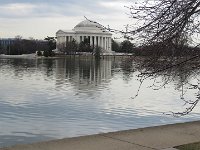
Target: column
column 110, row 44
column 91, row 41
column 65, row 41
column 78, row 39
column 105, row 47
column 103, row 43
column 107, row 44
column 99, row 45
column 95, row 41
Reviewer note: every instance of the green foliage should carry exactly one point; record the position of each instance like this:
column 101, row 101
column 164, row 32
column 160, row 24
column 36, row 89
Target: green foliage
column 124, row 47
column 51, row 43
column 48, row 53
column 127, row 47
column 71, row 47
column 97, row 52
column 115, row 46
column 84, row 46
column 193, row 146
column 51, row 46
column 39, row 53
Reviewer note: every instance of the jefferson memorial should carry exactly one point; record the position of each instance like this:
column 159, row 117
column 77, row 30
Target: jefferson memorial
column 86, row 29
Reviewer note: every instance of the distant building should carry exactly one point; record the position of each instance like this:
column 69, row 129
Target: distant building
column 96, row 35
column 5, row 42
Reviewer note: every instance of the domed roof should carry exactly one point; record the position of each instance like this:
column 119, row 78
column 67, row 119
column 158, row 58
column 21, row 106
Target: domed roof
column 87, row 23
column 90, row 27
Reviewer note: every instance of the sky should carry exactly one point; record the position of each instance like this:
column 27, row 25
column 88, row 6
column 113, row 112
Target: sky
column 41, row 18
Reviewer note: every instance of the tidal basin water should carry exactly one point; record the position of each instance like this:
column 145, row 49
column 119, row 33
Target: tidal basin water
column 45, row 99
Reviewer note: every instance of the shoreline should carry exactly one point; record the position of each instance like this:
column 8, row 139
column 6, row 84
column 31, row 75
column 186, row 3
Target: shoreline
column 63, row 55
column 19, row 56
column 150, row 138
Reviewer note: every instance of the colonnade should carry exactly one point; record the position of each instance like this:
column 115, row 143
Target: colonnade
column 101, row 41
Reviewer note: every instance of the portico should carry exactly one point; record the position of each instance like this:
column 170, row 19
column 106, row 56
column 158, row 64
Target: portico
column 93, row 32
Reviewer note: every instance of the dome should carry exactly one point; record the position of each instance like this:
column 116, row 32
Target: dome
column 90, row 27
column 87, row 23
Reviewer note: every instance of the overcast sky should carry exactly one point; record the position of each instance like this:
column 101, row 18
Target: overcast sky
column 41, row 18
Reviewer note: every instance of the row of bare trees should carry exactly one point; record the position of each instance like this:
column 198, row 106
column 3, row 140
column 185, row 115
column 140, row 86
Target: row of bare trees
column 20, row 46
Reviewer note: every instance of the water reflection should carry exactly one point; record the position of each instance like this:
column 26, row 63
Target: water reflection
column 43, row 99
column 83, row 74
column 9, row 140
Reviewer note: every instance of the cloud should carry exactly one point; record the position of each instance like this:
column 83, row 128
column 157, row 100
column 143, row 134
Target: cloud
column 116, row 5
column 42, row 8
column 16, row 9
column 27, row 10
column 40, row 18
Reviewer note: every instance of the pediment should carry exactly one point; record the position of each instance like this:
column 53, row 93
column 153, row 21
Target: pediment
column 60, row 32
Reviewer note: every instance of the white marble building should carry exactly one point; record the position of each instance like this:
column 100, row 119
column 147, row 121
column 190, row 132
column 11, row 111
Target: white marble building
column 86, row 29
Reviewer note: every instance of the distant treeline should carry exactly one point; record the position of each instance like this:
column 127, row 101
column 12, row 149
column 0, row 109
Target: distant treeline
column 167, row 50
column 156, row 49
column 23, row 46
column 19, row 46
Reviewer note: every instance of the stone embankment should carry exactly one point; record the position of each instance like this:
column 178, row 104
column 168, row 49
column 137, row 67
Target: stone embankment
column 153, row 138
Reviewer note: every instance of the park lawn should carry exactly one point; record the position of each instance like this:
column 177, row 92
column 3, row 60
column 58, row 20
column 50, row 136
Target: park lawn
column 192, row 146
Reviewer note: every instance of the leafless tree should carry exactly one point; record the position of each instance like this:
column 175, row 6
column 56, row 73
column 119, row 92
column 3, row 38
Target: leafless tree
column 181, row 76
column 173, row 21
column 167, row 28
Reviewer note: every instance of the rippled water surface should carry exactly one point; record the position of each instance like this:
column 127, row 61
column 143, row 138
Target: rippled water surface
column 44, row 99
